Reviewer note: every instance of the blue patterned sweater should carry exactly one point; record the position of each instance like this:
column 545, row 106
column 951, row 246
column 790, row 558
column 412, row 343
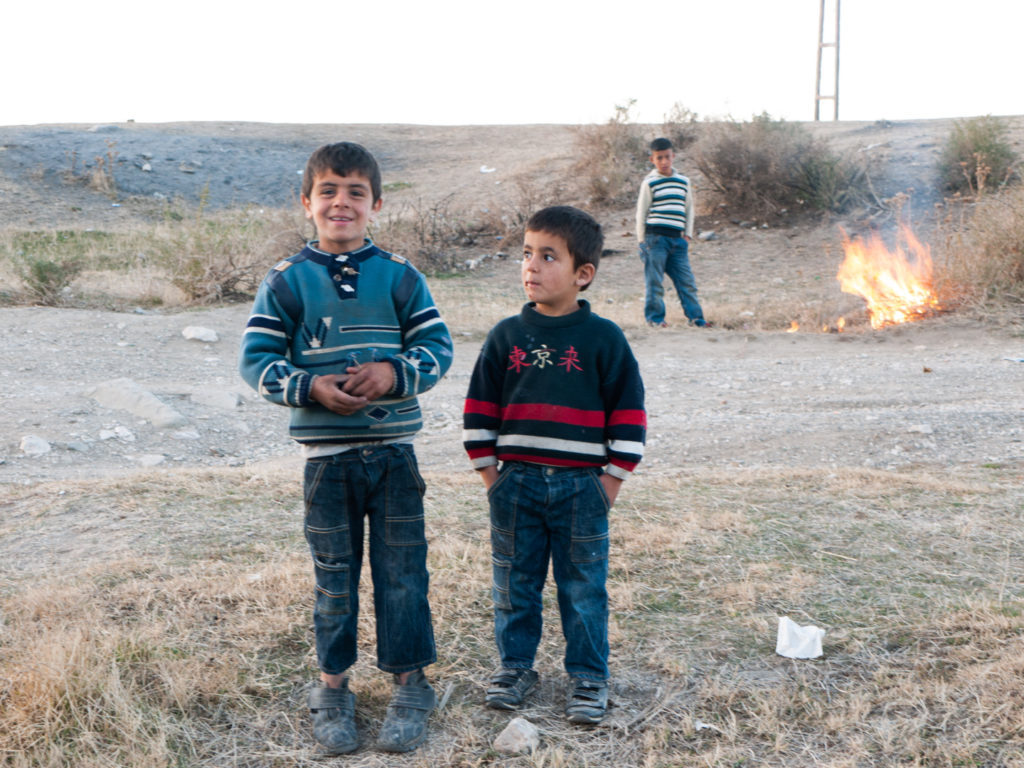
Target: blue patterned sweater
column 320, row 313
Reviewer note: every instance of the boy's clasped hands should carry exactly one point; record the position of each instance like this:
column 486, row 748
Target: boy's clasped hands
column 346, row 393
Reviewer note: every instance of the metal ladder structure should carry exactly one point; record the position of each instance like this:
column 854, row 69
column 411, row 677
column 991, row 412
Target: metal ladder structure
column 822, row 45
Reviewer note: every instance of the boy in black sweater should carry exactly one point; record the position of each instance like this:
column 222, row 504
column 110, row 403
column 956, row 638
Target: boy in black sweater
column 556, row 397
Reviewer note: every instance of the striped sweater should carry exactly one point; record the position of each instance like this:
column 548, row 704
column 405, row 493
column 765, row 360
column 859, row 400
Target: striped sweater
column 319, row 313
column 665, row 205
column 560, row 391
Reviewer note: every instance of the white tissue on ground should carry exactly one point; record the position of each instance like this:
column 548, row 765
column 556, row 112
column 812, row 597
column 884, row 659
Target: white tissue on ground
column 796, row 642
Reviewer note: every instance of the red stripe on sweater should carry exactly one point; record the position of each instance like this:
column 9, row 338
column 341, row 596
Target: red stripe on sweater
column 558, row 413
column 482, row 407
column 629, row 466
column 636, row 417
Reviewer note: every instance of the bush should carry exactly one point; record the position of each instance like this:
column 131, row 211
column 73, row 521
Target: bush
column 983, row 251
column 612, row 159
column 766, row 165
column 46, row 262
column 223, row 256
column 977, row 156
column 427, row 234
column 680, row 127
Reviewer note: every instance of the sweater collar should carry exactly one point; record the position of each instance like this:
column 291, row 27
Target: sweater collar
column 533, row 317
column 361, row 254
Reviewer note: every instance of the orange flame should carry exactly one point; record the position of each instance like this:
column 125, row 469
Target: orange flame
column 794, row 326
column 897, row 284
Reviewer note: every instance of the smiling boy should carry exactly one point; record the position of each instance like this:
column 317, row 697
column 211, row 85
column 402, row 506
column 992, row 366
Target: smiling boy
column 347, row 335
column 557, row 401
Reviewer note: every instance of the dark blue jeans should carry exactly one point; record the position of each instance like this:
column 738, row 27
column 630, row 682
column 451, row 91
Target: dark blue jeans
column 383, row 485
column 548, row 513
column 669, row 256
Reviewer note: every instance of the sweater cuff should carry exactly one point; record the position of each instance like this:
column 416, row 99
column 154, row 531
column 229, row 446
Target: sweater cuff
column 399, row 384
column 617, row 471
column 303, row 389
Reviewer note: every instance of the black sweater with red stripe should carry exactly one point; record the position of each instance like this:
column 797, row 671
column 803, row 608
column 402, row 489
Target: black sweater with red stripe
column 560, row 391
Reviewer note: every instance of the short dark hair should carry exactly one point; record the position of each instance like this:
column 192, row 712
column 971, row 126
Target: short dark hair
column 659, row 144
column 343, row 158
column 581, row 232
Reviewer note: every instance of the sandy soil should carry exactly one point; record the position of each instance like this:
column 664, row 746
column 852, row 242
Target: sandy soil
column 932, row 394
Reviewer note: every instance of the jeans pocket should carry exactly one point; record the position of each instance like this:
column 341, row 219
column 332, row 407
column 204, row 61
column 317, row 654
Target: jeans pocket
column 501, row 584
column 503, row 526
column 404, row 524
column 503, row 475
column 332, row 588
column 331, row 549
column 313, row 473
column 590, row 523
column 404, row 530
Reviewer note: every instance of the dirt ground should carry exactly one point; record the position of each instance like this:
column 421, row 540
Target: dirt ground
column 935, row 394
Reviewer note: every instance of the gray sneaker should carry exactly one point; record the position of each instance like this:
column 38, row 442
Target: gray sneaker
column 405, row 725
column 588, row 702
column 334, row 718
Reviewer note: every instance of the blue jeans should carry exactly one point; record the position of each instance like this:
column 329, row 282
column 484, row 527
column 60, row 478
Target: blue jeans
column 540, row 513
column 383, row 484
column 669, row 256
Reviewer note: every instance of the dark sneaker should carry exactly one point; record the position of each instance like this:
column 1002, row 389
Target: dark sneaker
column 405, row 725
column 509, row 687
column 588, row 702
column 334, row 718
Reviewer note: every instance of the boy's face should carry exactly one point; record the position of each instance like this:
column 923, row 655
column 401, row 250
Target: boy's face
column 662, row 160
column 549, row 277
column 340, row 207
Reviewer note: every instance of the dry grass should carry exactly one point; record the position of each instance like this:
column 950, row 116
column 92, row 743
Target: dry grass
column 182, row 635
column 982, row 253
column 189, row 257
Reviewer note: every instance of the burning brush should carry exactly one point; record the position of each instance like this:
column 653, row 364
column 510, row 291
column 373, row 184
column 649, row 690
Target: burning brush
column 897, row 284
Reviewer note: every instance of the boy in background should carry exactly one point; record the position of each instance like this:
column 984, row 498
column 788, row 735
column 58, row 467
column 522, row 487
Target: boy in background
column 347, row 335
column 664, row 227
column 556, row 397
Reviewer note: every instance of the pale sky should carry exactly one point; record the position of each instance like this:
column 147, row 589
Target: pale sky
column 454, row 62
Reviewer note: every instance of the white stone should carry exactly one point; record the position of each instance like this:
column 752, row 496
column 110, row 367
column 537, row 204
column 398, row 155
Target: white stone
column 520, row 737
column 33, row 445
column 150, row 459
column 125, row 434
column 224, row 400
column 127, row 395
column 198, row 333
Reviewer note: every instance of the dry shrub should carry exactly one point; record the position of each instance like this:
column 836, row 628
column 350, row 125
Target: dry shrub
column 612, row 159
column 680, row 126
column 766, row 165
column 223, row 256
column 977, row 156
column 46, row 262
column 428, row 233
column 982, row 254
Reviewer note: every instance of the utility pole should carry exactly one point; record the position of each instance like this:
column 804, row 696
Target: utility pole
column 818, row 98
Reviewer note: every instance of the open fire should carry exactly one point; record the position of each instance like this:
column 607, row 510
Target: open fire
column 896, row 284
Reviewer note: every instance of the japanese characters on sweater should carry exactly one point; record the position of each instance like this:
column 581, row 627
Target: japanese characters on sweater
column 320, row 313
column 560, row 391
